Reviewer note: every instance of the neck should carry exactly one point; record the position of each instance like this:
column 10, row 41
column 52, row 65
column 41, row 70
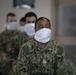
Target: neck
column 42, row 45
column 31, row 37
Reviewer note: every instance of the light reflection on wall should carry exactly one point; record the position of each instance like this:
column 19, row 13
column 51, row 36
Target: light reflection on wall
column 28, row 4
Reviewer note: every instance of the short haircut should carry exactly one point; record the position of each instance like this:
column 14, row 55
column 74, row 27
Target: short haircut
column 40, row 19
column 30, row 14
column 22, row 19
column 10, row 14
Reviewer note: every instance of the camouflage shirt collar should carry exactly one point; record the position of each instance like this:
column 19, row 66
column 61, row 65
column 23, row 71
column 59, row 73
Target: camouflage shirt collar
column 48, row 45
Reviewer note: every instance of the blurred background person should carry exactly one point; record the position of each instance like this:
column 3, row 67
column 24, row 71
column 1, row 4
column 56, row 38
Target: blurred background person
column 30, row 19
column 27, row 25
column 5, row 38
column 22, row 24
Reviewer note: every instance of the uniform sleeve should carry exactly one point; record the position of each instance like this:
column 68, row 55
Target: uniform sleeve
column 1, row 49
column 1, row 41
column 60, row 54
column 21, row 63
column 13, row 48
column 67, row 68
column 60, row 60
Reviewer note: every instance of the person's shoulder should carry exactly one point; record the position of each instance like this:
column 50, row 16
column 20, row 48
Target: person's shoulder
column 18, row 35
column 20, row 38
column 23, row 34
column 28, row 43
column 15, row 38
column 26, row 46
column 61, row 50
column 59, row 47
column 3, row 33
column 56, row 44
column 17, row 31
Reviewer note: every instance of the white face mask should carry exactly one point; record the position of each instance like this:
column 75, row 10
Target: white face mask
column 11, row 26
column 22, row 28
column 29, row 29
column 43, row 35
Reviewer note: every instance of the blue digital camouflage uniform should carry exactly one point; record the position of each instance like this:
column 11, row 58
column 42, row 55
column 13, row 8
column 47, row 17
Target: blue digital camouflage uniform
column 5, row 39
column 33, row 60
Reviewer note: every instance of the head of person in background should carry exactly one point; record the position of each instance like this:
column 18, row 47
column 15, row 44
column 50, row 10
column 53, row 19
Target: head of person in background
column 30, row 17
column 29, row 28
column 11, row 21
column 22, row 24
column 43, row 31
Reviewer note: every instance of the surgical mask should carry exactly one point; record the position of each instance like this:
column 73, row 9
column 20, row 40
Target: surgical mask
column 30, row 29
column 22, row 28
column 43, row 35
column 11, row 26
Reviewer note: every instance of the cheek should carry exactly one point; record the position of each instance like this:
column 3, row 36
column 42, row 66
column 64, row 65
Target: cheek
column 8, row 22
column 36, row 29
column 39, row 28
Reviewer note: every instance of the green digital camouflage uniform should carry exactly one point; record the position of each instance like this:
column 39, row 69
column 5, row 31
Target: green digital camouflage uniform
column 14, row 46
column 5, row 39
column 33, row 60
column 74, row 59
column 67, row 68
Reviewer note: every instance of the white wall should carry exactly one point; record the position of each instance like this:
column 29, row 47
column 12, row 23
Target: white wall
column 42, row 8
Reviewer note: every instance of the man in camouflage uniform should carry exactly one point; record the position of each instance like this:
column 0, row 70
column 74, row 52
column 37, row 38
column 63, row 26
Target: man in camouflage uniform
column 17, row 41
column 38, row 58
column 5, row 38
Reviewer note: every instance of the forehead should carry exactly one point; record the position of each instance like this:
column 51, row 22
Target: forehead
column 11, row 17
column 43, row 21
column 30, row 18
